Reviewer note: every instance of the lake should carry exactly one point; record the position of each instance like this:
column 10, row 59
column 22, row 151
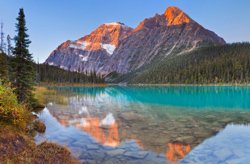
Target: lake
column 150, row 124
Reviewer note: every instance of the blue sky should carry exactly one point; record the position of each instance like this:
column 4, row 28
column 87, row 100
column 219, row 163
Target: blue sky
column 51, row 22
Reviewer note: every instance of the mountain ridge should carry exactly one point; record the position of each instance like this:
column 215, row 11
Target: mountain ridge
column 115, row 47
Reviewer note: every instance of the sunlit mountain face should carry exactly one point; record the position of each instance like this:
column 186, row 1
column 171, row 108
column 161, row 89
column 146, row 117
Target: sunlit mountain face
column 140, row 123
column 115, row 47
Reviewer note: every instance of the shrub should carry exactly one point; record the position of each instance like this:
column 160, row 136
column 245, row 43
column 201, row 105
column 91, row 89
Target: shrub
column 11, row 112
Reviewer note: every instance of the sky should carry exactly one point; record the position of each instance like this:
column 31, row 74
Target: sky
column 51, row 22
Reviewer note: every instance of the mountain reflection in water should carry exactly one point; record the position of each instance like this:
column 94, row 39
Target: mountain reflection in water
column 177, row 151
column 146, row 124
column 106, row 132
column 110, row 137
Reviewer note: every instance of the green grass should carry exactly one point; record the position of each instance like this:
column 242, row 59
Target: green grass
column 43, row 95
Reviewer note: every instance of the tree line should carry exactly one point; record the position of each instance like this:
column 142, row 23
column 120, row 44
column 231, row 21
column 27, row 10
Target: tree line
column 47, row 73
column 216, row 64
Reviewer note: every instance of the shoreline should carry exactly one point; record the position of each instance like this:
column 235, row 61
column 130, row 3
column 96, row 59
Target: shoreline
column 229, row 84
column 43, row 84
column 18, row 127
column 117, row 84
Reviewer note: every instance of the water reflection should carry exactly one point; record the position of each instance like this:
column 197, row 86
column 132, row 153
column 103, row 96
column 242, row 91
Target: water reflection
column 231, row 145
column 92, row 127
column 177, row 151
column 146, row 124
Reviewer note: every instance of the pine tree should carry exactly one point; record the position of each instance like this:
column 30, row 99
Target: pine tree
column 23, row 71
column 3, row 68
column 9, row 46
column 2, row 44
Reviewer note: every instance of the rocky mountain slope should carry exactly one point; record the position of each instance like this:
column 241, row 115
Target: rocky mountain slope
column 117, row 48
column 91, row 52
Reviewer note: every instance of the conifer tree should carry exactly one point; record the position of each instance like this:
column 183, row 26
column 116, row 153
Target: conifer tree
column 2, row 44
column 23, row 71
column 3, row 68
column 9, row 46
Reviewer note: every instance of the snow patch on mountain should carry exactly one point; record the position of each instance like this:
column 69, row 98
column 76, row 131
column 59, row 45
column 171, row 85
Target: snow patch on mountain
column 113, row 24
column 52, row 64
column 83, row 46
column 79, row 45
column 83, row 58
column 118, row 24
column 62, row 67
column 109, row 48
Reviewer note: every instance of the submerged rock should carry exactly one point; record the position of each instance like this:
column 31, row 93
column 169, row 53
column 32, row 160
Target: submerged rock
column 131, row 116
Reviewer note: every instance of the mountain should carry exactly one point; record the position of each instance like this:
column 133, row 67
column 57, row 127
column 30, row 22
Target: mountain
column 90, row 53
column 171, row 33
column 118, row 48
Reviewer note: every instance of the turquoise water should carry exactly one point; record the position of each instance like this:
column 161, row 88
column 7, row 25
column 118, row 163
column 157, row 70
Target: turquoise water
column 199, row 97
column 150, row 124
